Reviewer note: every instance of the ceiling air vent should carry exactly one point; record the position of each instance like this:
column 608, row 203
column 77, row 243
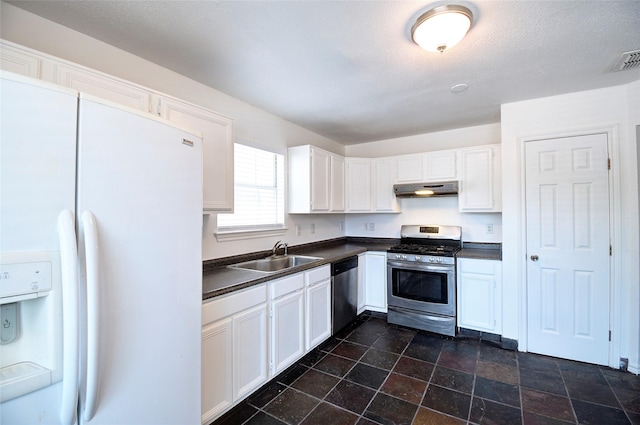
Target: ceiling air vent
column 628, row 60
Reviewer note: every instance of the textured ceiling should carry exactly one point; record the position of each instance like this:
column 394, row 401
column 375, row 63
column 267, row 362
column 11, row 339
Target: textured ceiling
column 348, row 69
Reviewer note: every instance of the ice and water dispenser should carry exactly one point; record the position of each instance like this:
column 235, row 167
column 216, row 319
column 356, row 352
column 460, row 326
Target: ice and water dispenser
column 30, row 322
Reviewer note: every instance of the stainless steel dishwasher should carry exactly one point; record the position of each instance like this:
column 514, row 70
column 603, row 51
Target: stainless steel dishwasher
column 344, row 295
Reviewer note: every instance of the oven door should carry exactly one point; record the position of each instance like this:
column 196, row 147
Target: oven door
column 421, row 287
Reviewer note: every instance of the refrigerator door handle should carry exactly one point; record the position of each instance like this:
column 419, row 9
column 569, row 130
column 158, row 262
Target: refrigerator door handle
column 69, row 272
column 92, row 255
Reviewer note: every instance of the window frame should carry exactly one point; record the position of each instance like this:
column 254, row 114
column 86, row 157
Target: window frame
column 226, row 233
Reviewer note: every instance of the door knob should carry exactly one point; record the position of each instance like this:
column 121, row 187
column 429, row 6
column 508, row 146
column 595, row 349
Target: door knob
column 534, row 258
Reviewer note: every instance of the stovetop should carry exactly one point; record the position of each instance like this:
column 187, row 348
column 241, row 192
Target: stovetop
column 427, row 244
column 422, row 249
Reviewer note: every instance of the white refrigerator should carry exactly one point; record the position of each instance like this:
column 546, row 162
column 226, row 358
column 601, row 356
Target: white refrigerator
column 100, row 257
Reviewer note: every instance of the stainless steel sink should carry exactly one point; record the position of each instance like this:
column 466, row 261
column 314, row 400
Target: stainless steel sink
column 275, row 264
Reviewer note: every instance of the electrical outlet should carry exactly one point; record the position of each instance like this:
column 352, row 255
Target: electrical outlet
column 366, row 226
column 372, row 227
column 342, row 226
column 489, row 228
column 298, row 230
column 313, row 228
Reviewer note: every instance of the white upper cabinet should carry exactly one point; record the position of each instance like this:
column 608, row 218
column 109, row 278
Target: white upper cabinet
column 480, row 186
column 384, row 200
column 426, row 167
column 440, row 165
column 320, row 180
column 409, row 168
column 216, row 130
column 316, row 180
column 337, row 183
column 217, row 150
column 358, row 184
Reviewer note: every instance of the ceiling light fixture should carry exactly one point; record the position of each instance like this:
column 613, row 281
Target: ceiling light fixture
column 442, row 27
column 459, row 88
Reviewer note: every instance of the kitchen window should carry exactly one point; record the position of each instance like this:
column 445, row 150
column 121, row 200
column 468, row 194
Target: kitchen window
column 258, row 193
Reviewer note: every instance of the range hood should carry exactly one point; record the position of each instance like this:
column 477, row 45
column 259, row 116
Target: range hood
column 426, row 190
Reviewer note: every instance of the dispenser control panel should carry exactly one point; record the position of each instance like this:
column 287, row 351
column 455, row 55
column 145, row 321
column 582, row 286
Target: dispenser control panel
column 21, row 280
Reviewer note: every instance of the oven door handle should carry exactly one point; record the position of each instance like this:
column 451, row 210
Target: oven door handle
column 420, row 266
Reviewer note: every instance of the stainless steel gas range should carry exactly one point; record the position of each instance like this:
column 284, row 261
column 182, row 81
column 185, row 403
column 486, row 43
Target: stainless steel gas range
column 421, row 278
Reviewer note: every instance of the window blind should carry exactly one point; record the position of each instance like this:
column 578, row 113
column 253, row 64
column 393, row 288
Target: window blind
column 258, row 191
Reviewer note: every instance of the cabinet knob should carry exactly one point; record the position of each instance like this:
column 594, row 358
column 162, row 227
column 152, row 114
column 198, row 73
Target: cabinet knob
column 534, row 258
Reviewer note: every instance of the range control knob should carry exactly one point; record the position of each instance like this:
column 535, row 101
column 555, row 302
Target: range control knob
column 417, row 258
column 432, row 259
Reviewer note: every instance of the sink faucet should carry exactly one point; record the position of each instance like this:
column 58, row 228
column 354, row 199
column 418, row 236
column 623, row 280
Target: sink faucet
column 277, row 245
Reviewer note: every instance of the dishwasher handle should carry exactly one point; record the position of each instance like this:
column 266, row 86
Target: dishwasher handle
column 344, row 265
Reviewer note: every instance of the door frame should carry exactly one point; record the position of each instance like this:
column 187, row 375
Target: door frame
column 615, row 267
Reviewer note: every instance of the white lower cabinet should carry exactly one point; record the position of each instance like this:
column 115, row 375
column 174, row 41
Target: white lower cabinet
column 286, row 315
column 234, row 349
column 362, row 258
column 217, row 363
column 249, row 351
column 318, row 306
column 375, row 278
column 252, row 335
column 479, row 295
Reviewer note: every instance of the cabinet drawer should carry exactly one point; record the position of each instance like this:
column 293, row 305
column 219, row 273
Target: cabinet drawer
column 233, row 303
column 467, row 265
column 286, row 285
column 318, row 275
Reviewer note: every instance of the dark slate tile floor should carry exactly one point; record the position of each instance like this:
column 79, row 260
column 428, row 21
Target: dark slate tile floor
column 376, row 373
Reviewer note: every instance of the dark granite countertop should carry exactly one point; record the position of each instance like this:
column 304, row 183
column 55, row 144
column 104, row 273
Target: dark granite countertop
column 219, row 279
column 481, row 251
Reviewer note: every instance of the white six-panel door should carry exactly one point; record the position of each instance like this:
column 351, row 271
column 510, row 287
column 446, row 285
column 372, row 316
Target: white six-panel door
column 567, row 196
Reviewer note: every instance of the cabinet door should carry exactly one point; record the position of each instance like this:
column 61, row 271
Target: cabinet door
column 337, row 183
column 361, row 278
column 480, row 180
column 479, row 295
column 103, row 86
column 217, row 150
column 376, row 281
column 409, row 169
column 440, row 166
column 249, row 351
column 217, row 361
column 318, row 317
column 359, row 184
column 287, row 331
column 320, row 180
column 384, row 198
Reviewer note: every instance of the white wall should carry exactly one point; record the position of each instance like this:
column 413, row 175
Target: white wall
column 442, row 211
column 616, row 108
column 250, row 123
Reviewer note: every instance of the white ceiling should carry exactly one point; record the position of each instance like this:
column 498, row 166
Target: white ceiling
column 348, row 70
